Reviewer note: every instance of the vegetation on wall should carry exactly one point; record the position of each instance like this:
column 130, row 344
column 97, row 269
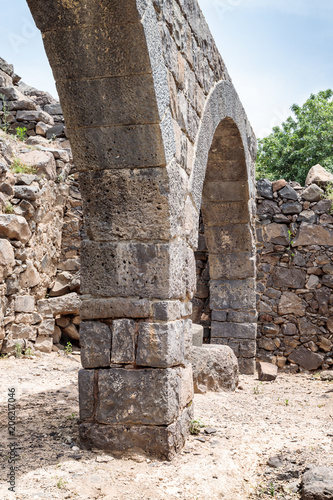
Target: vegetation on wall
column 302, row 141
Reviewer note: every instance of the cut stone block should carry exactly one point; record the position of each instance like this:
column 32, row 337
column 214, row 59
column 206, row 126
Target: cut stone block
column 234, row 330
column 266, row 371
column 95, row 340
column 161, row 345
column 117, row 307
column 156, row 441
column 132, row 269
column 123, row 341
column 233, row 294
column 231, row 266
column 229, row 238
column 215, row 368
column 197, row 335
column 144, row 396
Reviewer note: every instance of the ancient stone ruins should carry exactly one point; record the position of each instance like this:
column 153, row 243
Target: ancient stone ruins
column 158, row 156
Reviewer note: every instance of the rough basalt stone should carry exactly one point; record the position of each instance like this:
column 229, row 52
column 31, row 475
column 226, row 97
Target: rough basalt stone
column 317, row 484
column 161, row 345
column 215, row 368
column 95, row 341
column 123, row 341
column 162, row 442
column 141, row 396
column 264, row 188
column 114, row 307
column 306, row 359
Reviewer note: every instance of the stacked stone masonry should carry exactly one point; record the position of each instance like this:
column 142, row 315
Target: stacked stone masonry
column 40, row 224
column 149, row 108
column 295, row 273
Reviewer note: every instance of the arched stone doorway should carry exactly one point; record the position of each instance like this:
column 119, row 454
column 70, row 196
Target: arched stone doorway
column 225, row 301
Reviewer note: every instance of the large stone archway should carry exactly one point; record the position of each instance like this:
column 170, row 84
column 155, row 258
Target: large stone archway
column 222, row 187
column 143, row 90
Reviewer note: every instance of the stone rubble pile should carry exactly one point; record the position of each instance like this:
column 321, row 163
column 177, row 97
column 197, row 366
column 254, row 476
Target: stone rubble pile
column 22, row 106
column 295, row 272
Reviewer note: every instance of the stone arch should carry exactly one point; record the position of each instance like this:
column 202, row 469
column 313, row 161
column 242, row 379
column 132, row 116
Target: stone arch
column 134, row 80
column 223, row 173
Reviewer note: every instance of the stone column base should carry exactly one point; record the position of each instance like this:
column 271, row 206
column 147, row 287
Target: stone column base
column 160, row 441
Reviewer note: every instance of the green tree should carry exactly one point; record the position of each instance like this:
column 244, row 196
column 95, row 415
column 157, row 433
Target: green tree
column 301, row 142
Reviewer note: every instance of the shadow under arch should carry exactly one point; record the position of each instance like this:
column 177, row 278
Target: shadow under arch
column 222, row 189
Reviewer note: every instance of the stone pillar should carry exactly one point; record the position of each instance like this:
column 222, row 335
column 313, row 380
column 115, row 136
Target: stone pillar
column 137, row 270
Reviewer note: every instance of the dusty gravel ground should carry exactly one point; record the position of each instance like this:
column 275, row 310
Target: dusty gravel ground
column 291, row 418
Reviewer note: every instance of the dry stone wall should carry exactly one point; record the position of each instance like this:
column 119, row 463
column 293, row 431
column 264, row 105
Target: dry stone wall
column 40, row 223
column 295, row 273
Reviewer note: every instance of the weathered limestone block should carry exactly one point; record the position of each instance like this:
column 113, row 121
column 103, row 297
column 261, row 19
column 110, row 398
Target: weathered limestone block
column 24, row 303
column 124, row 333
column 313, row 193
column 233, row 294
column 156, row 441
column 318, row 175
column 30, row 193
column 229, row 238
column 231, row 266
column 92, row 308
column 67, row 304
column 14, row 227
column 306, row 358
column 290, row 303
column 95, row 341
column 44, row 344
column 145, row 269
column 161, row 345
column 30, row 277
column 266, row 371
column 46, row 328
column 61, row 285
column 197, row 335
column 148, row 397
column 43, row 161
column 22, row 332
column 215, row 368
column 277, row 234
column 233, row 330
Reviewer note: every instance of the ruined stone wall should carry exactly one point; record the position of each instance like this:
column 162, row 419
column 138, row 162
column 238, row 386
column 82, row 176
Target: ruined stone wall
column 40, row 211
column 295, row 275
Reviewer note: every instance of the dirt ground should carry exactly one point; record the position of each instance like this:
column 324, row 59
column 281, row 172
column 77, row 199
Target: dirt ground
column 290, row 420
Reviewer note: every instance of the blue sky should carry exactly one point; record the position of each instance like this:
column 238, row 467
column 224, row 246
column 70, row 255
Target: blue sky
column 277, row 51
